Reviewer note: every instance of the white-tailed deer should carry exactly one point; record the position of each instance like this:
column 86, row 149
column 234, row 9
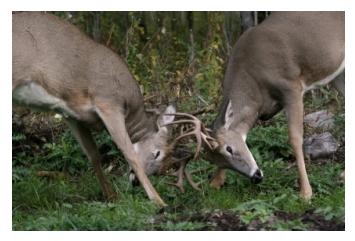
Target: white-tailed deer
column 57, row 67
column 271, row 66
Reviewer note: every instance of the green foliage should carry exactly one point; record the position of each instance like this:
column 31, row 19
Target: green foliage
column 20, row 153
column 270, row 142
column 64, row 154
column 90, row 216
column 330, row 213
column 162, row 53
column 339, row 125
column 18, row 137
column 76, row 203
column 181, row 226
column 255, row 210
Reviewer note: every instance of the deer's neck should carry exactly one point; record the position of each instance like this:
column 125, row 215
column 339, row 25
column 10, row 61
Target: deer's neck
column 246, row 100
column 246, row 112
column 139, row 125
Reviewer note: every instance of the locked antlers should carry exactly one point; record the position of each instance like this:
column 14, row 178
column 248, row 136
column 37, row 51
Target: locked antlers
column 194, row 128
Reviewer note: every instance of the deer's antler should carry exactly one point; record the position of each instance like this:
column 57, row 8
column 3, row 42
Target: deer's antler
column 200, row 132
column 194, row 128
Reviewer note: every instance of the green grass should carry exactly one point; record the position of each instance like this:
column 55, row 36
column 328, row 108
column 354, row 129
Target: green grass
column 75, row 202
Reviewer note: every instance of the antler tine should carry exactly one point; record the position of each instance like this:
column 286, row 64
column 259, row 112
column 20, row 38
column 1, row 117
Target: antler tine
column 206, row 137
column 182, row 114
column 199, row 131
column 177, row 139
column 181, row 173
column 179, row 121
column 198, row 147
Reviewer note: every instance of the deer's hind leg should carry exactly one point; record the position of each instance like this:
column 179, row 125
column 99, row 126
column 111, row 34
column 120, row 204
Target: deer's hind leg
column 294, row 113
column 88, row 145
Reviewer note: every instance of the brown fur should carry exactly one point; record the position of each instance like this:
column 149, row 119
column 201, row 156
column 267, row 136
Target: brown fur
column 267, row 71
column 97, row 87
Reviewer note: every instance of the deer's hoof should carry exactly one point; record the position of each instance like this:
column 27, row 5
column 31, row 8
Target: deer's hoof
column 111, row 196
column 217, row 183
column 133, row 179
column 160, row 203
column 306, row 195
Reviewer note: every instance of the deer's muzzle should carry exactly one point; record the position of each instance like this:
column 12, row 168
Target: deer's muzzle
column 257, row 176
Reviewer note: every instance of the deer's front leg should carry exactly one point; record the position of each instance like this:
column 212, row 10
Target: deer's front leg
column 294, row 112
column 87, row 143
column 115, row 123
column 219, row 178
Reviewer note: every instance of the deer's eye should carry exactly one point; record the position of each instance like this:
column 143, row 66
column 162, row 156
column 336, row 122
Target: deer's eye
column 157, row 154
column 229, row 149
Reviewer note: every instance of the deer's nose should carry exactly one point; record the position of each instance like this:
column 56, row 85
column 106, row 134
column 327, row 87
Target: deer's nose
column 257, row 177
column 133, row 179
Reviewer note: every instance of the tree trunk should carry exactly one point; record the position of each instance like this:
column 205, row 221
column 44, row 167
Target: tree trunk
column 247, row 20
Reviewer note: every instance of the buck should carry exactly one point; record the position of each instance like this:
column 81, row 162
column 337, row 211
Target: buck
column 56, row 67
column 271, row 66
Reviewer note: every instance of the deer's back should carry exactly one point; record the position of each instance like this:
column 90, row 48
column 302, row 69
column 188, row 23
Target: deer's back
column 69, row 65
column 48, row 46
column 290, row 46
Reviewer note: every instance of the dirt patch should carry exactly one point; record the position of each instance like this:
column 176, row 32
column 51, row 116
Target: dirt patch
column 37, row 127
column 30, row 131
column 229, row 221
column 318, row 222
column 219, row 221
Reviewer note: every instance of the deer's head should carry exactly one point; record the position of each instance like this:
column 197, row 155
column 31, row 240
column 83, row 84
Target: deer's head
column 232, row 151
column 154, row 148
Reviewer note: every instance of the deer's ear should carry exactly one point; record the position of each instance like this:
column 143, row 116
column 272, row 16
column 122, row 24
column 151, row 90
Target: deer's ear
column 228, row 116
column 165, row 119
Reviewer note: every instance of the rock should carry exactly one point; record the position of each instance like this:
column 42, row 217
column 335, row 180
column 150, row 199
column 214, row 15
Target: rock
column 320, row 145
column 322, row 118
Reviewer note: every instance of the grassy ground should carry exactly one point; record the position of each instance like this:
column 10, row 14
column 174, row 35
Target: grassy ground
column 73, row 201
